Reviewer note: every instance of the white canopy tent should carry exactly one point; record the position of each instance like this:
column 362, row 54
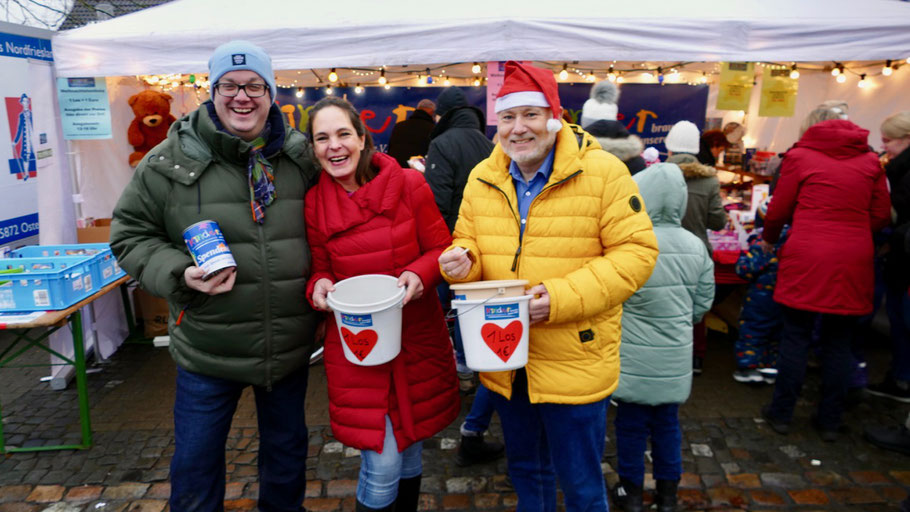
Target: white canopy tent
column 307, row 34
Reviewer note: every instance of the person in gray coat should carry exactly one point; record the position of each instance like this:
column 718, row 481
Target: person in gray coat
column 655, row 372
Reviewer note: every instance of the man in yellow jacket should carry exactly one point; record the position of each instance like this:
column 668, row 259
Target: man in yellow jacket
column 550, row 206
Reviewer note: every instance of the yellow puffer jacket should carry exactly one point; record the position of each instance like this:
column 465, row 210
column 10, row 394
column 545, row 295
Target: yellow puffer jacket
column 587, row 238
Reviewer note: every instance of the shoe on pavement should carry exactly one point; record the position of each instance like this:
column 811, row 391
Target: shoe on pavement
column 627, row 496
column 476, row 450
column 748, row 376
column 776, row 425
column 897, row 440
column 893, row 389
column 828, row 435
column 697, row 365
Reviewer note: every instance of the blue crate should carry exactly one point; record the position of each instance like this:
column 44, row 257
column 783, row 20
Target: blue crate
column 46, row 284
column 107, row 269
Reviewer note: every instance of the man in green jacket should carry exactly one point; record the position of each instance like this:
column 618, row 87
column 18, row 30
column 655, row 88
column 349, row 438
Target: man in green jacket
column 234, row 161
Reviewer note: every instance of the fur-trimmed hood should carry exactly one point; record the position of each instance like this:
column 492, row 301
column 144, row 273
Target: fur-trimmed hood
column 623, row 148
column 691, row 167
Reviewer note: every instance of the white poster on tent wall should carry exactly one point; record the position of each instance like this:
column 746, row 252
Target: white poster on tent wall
column 18, row 158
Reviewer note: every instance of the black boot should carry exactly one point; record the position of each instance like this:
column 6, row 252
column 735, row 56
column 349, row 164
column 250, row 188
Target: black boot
column 627, row 496
column 408, row 495
column 666, row 495
column 475, row 450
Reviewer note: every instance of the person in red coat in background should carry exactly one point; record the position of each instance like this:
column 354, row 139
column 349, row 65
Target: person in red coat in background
column 367, row 215
column 833, row 193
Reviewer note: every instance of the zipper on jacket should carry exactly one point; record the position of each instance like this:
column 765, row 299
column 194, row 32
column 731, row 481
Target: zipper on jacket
column 517, row 221
column 267, row 311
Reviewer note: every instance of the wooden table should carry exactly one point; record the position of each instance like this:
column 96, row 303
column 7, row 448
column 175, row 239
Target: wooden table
column 49, row 323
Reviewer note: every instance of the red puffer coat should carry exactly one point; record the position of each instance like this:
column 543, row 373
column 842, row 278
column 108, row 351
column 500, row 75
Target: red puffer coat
column 389, row 225
column 834, row 193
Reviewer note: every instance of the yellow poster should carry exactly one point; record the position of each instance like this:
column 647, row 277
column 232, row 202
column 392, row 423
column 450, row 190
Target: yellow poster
column 735, row 88
column 778, row 93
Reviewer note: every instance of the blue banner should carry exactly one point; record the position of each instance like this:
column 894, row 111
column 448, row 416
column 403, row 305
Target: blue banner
column 18, row 228
column 25, row 47
column 647, row 110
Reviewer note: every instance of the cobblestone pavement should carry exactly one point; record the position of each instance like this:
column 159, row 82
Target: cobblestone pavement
column 732, row 460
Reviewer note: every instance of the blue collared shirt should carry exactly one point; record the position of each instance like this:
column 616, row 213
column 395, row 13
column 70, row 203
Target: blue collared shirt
column 527, row 191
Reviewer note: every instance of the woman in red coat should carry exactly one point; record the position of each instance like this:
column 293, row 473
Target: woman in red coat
column 833, row 193
column 367, row 215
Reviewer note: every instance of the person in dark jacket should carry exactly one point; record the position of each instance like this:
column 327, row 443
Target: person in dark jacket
column 411, row 137
column 598, row 117
column 458, row 144
column 237, row 162
column 896, row 139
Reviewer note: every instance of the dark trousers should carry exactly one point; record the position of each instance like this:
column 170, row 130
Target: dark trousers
column 634, row 424
column 835, row 334
column 203, row 410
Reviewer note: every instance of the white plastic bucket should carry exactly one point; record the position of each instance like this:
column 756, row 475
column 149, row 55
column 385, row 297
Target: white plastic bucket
column 494, row 332
column 368, row 314
column 489, row 289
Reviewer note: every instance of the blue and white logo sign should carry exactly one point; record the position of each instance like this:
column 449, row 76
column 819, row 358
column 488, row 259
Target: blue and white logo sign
column 239, row 59
column 500, row 312
column 357, row 320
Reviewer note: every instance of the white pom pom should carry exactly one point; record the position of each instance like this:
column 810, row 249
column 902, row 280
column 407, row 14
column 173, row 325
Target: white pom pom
column 554, row 125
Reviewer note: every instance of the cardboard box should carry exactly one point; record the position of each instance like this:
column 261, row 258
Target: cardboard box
column 153, row 311
column 99, row 232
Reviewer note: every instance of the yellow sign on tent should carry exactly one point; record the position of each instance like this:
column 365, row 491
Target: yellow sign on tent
column 735, row 88
column 778, row 93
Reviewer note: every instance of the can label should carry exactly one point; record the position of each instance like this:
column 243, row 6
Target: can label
column 208, row 248
column 357, row 320
column 500, row 312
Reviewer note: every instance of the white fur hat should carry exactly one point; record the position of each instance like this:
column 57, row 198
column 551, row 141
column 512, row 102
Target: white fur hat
column 602, row 104
column 683, row 138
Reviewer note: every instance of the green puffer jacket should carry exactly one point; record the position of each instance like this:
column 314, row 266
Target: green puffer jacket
column 262, row 330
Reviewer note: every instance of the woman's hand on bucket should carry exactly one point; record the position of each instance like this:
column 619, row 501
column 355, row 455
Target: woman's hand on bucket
column 320, row 290
column 413, row 286
column 539, row 306
column 455, row 263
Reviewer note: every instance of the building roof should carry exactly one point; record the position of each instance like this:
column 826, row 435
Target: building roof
column 90, row 11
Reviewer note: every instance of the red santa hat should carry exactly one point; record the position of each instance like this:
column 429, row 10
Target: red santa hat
column 527, row 86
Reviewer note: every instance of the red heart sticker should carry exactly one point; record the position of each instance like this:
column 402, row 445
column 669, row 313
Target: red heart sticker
column 361, row 343
column 502, row 341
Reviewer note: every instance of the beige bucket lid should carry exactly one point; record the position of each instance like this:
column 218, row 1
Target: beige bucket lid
column 485, row 285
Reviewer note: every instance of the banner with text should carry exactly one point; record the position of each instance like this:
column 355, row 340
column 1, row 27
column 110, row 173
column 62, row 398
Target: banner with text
column 18, row 149
column 647, row 110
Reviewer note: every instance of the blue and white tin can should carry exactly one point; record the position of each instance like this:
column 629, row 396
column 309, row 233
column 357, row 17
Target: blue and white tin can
column 208, row 248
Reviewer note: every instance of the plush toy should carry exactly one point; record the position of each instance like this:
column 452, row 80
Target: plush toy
column 149, row 127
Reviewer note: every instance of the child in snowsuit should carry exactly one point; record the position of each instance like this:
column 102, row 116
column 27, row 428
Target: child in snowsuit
column 656, row 350
column 761, row 319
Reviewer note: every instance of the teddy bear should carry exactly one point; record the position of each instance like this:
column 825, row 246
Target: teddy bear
column 153, row 118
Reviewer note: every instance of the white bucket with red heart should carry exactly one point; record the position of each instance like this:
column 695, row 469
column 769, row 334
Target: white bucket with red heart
column 494, row 332
column 368, row 315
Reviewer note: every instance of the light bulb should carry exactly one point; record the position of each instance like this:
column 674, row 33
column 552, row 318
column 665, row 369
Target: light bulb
column 475, row 68
column 620, row 79
column 836, row 70
column 329, row 90
column 299, row 92
column 387, row 86
column 333, row 76
column 794, row 73
column 382, row 78
column 841, row 78
column 564, row 74
column 446, row 82
column 476, row 82
column 887, row 70
column 704, row 78
column 862, row 81
column 358, row 89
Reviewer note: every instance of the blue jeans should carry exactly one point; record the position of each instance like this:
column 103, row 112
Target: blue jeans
column 835, row 333
column 478, row 418
column 545, row 441
column 203, row 409
column 898, row 306
column 634, row 423
column 380, row 472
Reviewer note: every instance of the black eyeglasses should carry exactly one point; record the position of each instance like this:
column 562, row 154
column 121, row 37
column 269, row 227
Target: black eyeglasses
column 230, row 89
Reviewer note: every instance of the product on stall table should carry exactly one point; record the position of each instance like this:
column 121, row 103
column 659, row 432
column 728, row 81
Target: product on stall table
column 208, row 248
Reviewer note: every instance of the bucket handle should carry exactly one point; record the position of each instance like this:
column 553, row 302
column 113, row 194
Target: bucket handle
column 452, row 312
